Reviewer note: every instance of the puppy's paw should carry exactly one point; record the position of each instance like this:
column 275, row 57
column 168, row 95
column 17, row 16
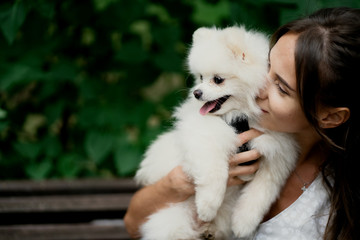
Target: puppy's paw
column 208, row 203
column 207, row 235
column 208, row 231
column 206, row 211
column 244, row 224
column 207, row 207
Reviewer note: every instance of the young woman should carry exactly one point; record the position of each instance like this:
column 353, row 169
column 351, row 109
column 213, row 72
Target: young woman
column 312, row 93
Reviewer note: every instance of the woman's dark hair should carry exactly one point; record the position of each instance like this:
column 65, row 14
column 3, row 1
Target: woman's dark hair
column 327, row 62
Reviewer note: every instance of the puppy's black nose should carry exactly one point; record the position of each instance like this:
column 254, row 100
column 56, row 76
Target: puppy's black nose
column 197, row 93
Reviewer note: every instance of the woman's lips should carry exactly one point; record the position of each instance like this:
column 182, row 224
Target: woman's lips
column 264, row 111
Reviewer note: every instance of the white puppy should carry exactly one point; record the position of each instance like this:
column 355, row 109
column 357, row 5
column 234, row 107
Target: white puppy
column 230, row 67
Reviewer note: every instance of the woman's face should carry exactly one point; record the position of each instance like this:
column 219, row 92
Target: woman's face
column 279, row 100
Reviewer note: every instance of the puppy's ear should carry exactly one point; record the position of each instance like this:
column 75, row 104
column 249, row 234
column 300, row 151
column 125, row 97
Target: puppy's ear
column 202, row 33
column 235, row 37
column 239, row 53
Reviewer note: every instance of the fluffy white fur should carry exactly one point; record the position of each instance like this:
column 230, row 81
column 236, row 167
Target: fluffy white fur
column 203, row 143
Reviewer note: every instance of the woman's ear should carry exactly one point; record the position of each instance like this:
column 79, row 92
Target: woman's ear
column 333, row 117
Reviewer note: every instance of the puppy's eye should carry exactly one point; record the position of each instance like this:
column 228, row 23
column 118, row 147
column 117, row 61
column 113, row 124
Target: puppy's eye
column 201, row 77
column 218, row 80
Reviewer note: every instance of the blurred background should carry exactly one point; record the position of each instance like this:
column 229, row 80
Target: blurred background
column 85, row 86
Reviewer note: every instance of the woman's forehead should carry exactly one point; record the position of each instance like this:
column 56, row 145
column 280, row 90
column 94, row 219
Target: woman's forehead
column 282, row 58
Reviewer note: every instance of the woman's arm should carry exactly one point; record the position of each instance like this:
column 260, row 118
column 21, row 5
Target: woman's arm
column 174, row 187
column 177, row 187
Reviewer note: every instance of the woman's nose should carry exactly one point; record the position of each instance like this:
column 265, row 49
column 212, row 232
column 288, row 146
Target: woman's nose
column 263, row 93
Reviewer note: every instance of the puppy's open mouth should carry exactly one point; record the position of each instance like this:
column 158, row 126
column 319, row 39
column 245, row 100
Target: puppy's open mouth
column 213, row 106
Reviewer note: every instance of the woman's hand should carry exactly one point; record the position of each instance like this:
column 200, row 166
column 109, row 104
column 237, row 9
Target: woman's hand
column 236, row 170
column 174, row 187
column 178, row 183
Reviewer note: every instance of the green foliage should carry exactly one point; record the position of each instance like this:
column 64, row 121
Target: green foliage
column 85, row 86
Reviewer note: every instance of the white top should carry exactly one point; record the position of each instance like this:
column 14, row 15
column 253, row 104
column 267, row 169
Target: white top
column 304, row 219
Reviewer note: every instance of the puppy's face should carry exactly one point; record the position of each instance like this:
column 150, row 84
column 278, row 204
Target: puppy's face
column 216, row 91
column 229, row 67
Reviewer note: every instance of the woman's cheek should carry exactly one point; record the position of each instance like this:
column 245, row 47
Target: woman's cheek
column 282, row 116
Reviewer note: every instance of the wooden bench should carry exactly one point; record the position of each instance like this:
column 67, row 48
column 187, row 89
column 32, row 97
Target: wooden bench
column 64, row 209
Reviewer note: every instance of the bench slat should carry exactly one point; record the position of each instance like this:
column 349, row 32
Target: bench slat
column 63, row 231
column 64, row 209
column 96, row 202
column 19, row 187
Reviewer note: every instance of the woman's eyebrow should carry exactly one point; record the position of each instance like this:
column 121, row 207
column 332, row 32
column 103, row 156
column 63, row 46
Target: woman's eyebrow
column 284, row 82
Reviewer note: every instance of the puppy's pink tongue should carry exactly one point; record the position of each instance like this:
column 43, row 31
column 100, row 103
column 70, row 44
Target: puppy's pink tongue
column 207, row 107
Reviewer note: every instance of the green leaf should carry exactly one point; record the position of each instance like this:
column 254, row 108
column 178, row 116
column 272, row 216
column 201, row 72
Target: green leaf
column 168, row 61
column 45, row 8
column 64, row 70
column 39, row 171
column 53, row 112
column 69, row 165
column 28, row 150
column 3, row 125
column 52, row 146
column 132, row 52
column 140, row 112
column 98, row 145
column 13, row 75
column 127, row 159
column 100, row 5
column 3, row 113
column 210, row 14
column 167, row 36
column 13, row 19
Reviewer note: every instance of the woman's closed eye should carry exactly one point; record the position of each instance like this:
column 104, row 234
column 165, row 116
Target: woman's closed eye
column 280, row 87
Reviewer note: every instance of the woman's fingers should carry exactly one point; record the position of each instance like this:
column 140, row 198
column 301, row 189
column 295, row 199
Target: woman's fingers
column 233, row 181
column 236, row 172
column 244, row 157
column 236, row 163
column 246, row 136
column 244, row 170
